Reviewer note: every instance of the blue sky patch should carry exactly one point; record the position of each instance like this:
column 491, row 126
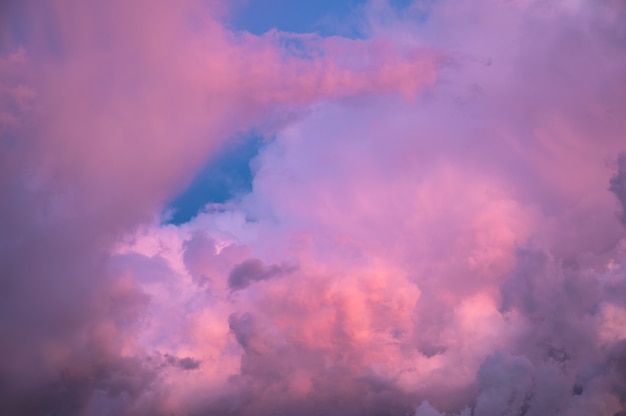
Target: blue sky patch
column 326, row 17
column 225, row 176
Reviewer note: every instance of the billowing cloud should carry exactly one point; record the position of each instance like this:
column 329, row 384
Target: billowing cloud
column 431, row 229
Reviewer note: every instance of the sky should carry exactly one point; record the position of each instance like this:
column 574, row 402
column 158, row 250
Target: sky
column 355, row 208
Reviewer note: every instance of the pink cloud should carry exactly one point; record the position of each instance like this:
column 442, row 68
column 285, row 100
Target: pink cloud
column 457, row 252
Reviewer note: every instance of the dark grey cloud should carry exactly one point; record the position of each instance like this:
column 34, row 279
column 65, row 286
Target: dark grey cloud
column 618, row 185
column 254, row 270
column 185, row 363
column 558, row 361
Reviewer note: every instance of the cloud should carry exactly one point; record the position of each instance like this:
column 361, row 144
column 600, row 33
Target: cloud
column 618, row 185
column 186, row 363
column 441, row 185
column 107, row 111
column 253, row 270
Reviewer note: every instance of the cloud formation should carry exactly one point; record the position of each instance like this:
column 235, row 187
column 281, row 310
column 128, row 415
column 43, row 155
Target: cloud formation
column 618, row 185
column 431, row 230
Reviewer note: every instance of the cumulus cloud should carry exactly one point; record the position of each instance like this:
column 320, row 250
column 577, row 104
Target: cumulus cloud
column 431, row 228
